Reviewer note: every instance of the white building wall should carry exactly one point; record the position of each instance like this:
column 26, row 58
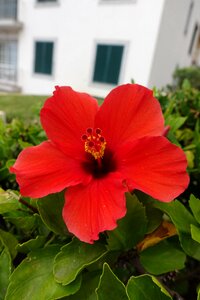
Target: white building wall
column 76, row 26
column 173, row 43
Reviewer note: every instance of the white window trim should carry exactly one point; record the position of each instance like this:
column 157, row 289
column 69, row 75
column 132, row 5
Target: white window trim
column 40, row 75
column 102, row 85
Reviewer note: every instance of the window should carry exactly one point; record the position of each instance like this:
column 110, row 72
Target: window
column 194, row 34
column 8, row 60
column 188, row 17
column 43, row 57
column 43, row 1
column 108, row 63
column 8, row 9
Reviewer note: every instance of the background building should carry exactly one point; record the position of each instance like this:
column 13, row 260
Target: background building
column 93, row 45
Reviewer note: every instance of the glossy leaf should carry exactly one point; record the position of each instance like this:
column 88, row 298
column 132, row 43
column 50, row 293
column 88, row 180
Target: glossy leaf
column 8, row 201
column 110, row 287
column 31, row 244
column 50, row 209
column 146, row 287
column 9, row 241
column 76, row 256
column 89, row 284
column 5, row 271
column 195, row 207
column 195, row 232
column 131, row 229
column 162, row 258
column 33, row 278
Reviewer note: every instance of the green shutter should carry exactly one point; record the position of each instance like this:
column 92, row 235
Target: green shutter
column 108, row 63
column 43, row 57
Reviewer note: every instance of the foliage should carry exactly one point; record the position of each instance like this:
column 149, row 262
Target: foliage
column 192, row 74
column 154, row 253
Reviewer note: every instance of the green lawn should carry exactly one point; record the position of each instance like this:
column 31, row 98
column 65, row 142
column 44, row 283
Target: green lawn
column 25, row 107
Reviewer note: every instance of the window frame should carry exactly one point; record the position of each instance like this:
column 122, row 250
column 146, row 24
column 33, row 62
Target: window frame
column 119, row 2
column 125, row 45
column 36, row 74
column 47, row 3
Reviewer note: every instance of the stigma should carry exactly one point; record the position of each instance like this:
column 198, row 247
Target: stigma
column 95, row 143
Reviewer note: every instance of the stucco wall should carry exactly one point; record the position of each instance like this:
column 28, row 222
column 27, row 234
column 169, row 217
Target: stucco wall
column 173, row 41
column 76, row 26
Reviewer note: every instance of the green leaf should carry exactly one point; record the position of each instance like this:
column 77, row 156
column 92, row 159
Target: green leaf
column 10, row 241
column 195, row 232
column 110, row 287
column 88, row 286
column 146, row 287
column 31, row 245
column 195, row 207
column 8, row 201
column 33, row 278
column 162, row 258
column 178, row 213
column 5, row 271
column 191, row 247
column 50, row 209
column 76, row 256
column 182, row 219
column 175, row 122
column 25, row 223
column 131, row 229
column 154, row 217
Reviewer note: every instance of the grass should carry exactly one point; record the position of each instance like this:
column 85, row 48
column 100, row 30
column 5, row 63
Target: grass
column 24, row 107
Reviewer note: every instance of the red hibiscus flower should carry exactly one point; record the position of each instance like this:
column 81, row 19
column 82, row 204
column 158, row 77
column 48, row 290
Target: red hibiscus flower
column 99, row 153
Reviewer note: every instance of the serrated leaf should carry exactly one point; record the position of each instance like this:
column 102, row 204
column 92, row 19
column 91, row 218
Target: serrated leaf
column 33, row 279
column 31, row 245
column 195, row 207
column 146, row 287
column 131, row 229
column 110, row 287
column 162, row 258
column 50, row 209
column 5, row 271
column 76, row 256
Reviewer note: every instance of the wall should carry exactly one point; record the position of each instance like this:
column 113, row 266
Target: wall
column 173, row 42
column 76, row 26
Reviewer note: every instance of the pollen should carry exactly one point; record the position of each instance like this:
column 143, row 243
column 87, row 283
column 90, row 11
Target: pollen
column 95, row 143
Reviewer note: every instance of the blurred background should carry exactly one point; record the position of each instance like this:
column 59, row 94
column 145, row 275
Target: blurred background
column 93, row 45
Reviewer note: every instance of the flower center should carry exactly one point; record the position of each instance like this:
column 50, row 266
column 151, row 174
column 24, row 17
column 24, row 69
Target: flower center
column 95, row 143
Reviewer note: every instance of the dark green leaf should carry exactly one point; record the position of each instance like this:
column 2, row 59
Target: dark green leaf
column 88, row 286
column 76, row 256
column 195, row 207
column 146, row 287
column 50, row 209
column 195, row 232
column 110, row 287
column 9, row 241
column 33, row 278
column 162, row 258
column 131, row 229
column 31, row 245
column 5, row 271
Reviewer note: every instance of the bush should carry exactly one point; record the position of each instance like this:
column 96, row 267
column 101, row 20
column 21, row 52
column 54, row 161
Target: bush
column 192, row 74
column 39, row 259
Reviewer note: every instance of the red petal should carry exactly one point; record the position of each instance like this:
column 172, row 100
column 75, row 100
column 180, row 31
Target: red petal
column 154, row 166
column 129, row 112
column 43, row 169
column 65, row 118
column 93, row 208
